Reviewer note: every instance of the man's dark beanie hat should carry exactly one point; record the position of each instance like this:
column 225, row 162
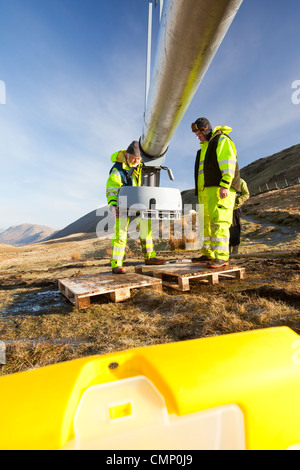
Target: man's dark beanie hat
column 204, row 125
column 134, row 149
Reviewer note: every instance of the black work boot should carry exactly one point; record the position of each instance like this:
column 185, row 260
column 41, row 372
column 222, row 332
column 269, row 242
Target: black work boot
column 118, row 270
column 201, row 259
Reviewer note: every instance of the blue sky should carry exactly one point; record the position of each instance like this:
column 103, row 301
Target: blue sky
column 74, row 73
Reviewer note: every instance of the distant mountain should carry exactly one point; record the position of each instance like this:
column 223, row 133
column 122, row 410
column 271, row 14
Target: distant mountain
column 25, row 234
column 2, row 230
column 87, row 224
column 189, row 197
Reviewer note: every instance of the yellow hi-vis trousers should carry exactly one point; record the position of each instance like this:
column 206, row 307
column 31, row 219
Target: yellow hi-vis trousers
column 119, row 240
column 218, row 215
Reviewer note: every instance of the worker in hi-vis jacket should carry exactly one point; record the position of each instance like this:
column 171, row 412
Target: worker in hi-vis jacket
column 235, row 229
column 126, row 171
column 217, row 181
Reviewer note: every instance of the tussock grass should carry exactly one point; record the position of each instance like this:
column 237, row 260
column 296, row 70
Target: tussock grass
column 147, row 318
column 75, row 256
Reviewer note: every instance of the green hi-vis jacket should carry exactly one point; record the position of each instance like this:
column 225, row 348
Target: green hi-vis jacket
column 121, row 174
column 216, row 162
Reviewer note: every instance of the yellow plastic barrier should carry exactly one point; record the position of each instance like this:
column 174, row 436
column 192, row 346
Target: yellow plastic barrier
column 237, row 391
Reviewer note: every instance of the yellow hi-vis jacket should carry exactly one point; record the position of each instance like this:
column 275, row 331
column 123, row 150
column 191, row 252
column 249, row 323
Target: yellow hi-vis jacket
column 121, row 175
column 226, row 158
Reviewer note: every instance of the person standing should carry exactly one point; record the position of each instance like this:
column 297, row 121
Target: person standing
column 217, row 180
column 235, row 229
column 126, row 171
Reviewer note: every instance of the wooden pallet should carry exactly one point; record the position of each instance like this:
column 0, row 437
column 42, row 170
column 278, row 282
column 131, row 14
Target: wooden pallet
column 178, row 275
column 79, row 290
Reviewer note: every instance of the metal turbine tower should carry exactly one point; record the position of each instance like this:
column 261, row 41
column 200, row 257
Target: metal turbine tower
column 190, row 34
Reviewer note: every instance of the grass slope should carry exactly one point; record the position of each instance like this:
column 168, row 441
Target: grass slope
column 274, row 169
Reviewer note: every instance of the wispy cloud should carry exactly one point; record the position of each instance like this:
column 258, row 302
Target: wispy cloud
column 64, row 142
column 75, row 94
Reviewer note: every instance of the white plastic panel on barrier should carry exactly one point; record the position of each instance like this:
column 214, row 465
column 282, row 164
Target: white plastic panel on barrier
column 132, row 414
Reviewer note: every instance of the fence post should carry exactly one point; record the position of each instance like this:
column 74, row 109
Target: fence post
column 2, row 353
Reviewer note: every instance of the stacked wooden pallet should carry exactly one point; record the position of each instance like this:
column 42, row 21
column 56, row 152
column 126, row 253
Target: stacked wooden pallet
column 82, row 290
column 178, row 275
